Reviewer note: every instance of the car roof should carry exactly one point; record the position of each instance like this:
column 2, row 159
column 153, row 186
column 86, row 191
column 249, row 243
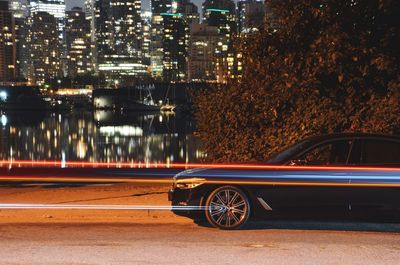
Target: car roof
column 309, row 142
column 351, row 135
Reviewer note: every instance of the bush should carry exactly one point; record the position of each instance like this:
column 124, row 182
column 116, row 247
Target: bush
column 331, row 66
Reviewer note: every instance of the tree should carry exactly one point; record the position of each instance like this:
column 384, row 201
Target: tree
column 330, row 66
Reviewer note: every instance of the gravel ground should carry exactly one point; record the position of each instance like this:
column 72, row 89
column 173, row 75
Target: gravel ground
column 188, row 243
column 94, row 237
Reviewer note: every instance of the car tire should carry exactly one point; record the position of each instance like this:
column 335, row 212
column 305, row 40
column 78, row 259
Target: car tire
column 227, row 207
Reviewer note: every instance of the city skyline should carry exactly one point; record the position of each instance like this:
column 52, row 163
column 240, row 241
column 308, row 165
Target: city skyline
column 145, row 3
column 122, row 45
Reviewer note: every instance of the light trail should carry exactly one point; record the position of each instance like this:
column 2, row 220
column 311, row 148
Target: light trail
column 27, row 206
column 91, row 172
column 62, row 179
column 25, row 163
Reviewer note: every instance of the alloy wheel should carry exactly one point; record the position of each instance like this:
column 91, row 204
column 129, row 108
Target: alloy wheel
column 227, row 208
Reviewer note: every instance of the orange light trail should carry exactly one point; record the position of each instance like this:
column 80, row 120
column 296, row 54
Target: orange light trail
column 202, row 181
column 22, row 206
column 86, row 180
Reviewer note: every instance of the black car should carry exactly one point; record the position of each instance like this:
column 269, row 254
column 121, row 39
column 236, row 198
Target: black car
column 331, row 173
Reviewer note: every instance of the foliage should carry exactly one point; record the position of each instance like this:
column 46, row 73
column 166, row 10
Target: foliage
column 331, row 66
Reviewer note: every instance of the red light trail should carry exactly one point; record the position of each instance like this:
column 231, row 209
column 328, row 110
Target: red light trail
column 82, row 164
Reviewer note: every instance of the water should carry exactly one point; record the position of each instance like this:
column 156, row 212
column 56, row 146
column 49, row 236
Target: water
column 100, row 136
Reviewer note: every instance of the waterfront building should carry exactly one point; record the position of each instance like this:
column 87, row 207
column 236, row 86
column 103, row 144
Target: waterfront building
column 55, row 8
column 119, row 37
column 156, row 46
column 44, row 61
column 19, row 8
column 158, row 7
column 203, row 49
column 251, row 15
column 221, row 14
column 175, row 47
column 90, row 17
column 21, row 12
column 7, row 44
column 189, row 11
column 171, row 21
column 146, row 19
column 78, row 41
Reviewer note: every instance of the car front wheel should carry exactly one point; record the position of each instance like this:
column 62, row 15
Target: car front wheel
column 227, row 207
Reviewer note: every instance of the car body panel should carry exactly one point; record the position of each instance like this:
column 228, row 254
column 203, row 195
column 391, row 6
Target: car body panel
column 326, row 188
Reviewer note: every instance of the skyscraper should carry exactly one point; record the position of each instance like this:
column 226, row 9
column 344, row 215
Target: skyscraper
column 90, row 17
column 158, row 7
column 221, row 14
column 21, row 12
column 189, row 11
column 118, row 36
column 175, row 47
column 78, row 41
column 146, row 19
column 44, row 61
column 7, row 44
column 171, row 20
column 56, row 8
column 204, row 41
column 251, row 15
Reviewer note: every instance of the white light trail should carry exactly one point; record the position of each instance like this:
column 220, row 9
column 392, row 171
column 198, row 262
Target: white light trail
column 100, row 207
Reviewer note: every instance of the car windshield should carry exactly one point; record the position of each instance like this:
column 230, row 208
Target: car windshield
column 283, row 156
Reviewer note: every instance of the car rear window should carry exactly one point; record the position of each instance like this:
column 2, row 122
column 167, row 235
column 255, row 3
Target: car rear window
column 380, row 152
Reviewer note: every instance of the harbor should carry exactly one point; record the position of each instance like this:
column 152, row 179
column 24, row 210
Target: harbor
column 151, row 97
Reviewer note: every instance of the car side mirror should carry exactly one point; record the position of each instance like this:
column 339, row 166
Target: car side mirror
column 297, row 162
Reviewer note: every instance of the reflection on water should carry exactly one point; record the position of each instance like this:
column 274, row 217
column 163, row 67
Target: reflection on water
column 103, row 136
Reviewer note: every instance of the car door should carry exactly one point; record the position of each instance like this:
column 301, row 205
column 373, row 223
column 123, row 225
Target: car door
column 323, row 196
column 376, row 152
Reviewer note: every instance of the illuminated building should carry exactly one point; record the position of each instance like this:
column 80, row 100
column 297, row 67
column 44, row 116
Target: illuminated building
column 251, row 15
column 221, row 14
column 118, row 36
column 90, row 15
column 158, row 7
column 78, row 41
column 20, row 12
column 7, row 44
column 146, row 19
column 203, row 48
column 175, row 47
column 44, row 62
column 55, row 8
column 189, row 10
column 170, row 38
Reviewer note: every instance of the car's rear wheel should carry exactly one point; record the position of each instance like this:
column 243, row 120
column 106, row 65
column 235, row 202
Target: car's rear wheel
column 227, row 207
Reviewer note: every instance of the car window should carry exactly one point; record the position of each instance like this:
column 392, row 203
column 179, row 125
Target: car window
column 332, row 153
column 283, row 156
column 380, row 152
